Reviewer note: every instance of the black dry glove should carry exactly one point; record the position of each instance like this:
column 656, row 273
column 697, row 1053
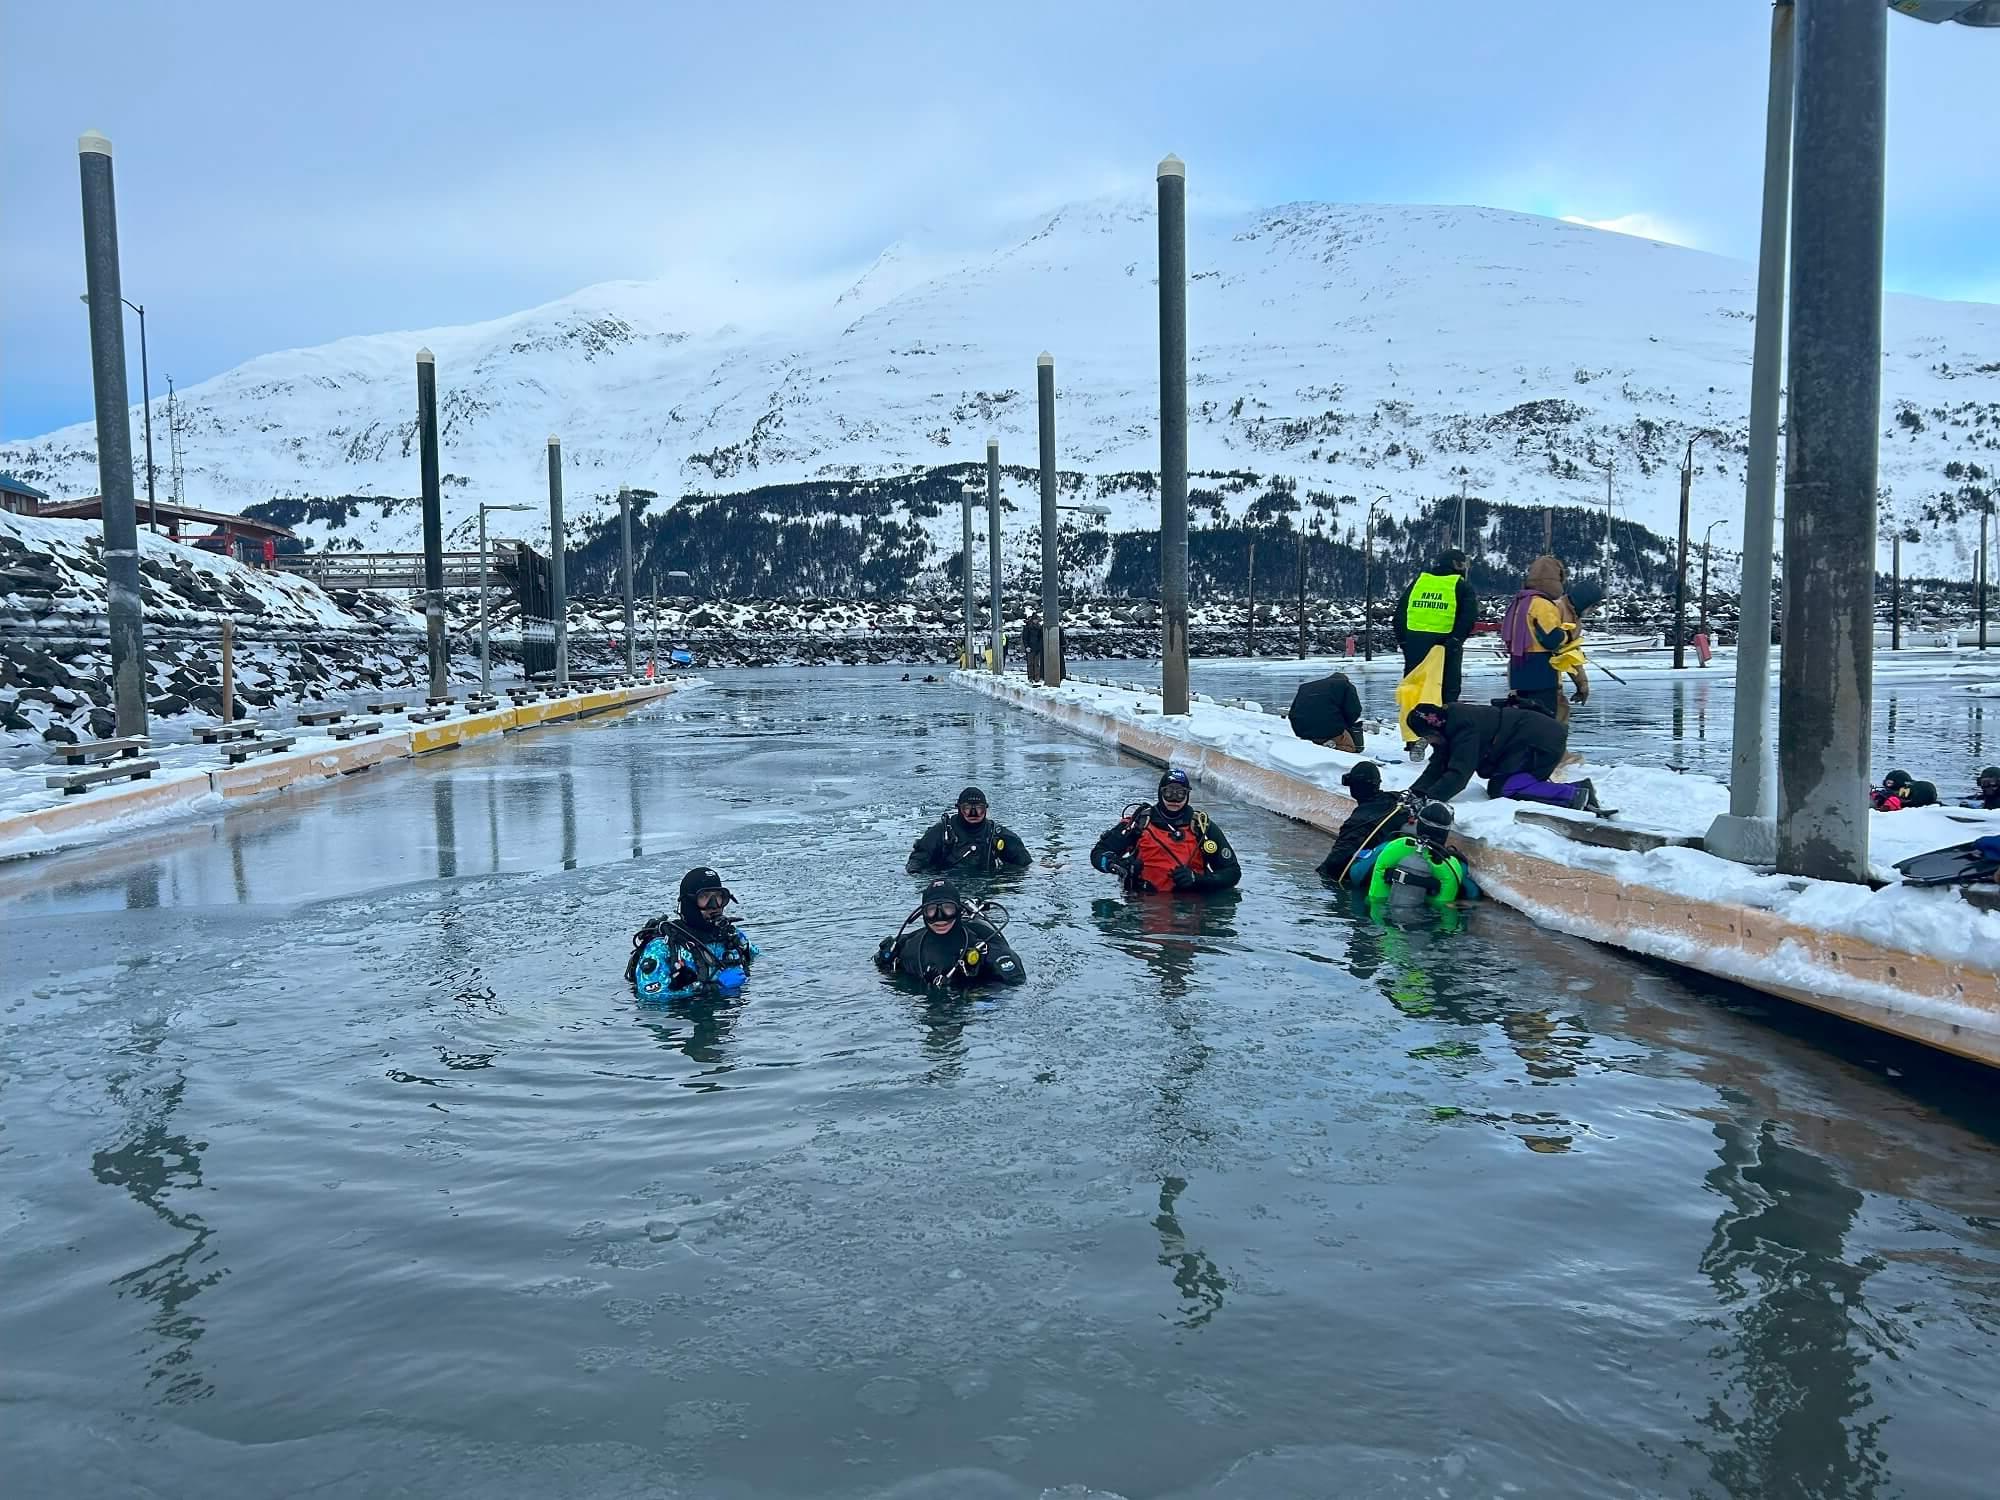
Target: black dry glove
column 1183, row 878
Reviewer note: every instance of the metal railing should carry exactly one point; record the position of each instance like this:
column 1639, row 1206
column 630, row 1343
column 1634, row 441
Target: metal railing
column 399, row 570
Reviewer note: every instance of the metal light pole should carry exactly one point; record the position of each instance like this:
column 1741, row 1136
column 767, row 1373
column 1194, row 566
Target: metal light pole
column 558, row 582
column 1988, row 511
column 1746, row 831
column 1895, row 592
column 1368, row 584
column 999, row 662
column 1250, row 622
column 1681, row 567
column 1461, row 506
column 485, row 648
column 124, row 600
column 625, row 571
column 965, row 494
column 1827, row 655
column 1045, row 393
column 1706, row 536
column 146, row 392
column 1172, row 181
column 427, row 427
column 1303, row 539
column 1606, row 566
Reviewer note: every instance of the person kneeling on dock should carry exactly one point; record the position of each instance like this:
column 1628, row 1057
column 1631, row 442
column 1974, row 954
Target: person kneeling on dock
column 1167, row 846
column 1327, row 711
column 1378, row 816
column 1422, row 860
column 1898, row 791
column 966, row 841
column 958, row 945
column 696, row 951
column 1515, row 749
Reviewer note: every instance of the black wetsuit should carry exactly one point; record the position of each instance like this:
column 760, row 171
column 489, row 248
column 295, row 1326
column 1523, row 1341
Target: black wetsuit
column 1496, row 743
column 939, row 962
column 1126, row 848
column 952, row 846
column 1326, row 708
column 1381, row 818
column 1914, row 794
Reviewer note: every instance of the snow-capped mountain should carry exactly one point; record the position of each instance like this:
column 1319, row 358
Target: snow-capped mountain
column 1347, row 350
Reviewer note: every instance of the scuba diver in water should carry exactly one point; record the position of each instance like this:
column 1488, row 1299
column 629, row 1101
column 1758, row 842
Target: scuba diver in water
column 1421, row 859
column 696, row 951
column 958, row 946
column 965, row 841
column 1377, row 817
column 1899, row 791
column 1988, row 795
column 1167, row 846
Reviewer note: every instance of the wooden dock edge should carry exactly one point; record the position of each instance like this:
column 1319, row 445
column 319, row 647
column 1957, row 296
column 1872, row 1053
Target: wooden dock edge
column 75, row 821
column 1951, row 1005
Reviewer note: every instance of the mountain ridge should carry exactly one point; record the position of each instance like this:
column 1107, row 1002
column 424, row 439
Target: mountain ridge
column 1343, row 350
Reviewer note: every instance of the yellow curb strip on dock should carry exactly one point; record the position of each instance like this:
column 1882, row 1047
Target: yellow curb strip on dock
column 1943, row 1003
column 105, row 810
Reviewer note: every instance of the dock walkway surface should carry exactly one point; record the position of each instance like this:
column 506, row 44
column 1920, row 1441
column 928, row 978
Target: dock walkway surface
column 35, row 819
column 1917, row 962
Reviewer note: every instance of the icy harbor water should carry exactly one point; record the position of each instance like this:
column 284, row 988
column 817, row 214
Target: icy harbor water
column 337, row 1160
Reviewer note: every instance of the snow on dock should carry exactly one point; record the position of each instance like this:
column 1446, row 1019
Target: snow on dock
column 1917, row 962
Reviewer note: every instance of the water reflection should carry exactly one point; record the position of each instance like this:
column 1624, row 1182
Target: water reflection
column 1431, row 966
column 566, row 783
column 1789, row 1414
column 635, row 806
column 444, row 823
column 944, row 1019
column 1196, row 1277
column 142, row 888
column 1167, row 933
column 700, row 1030
column 492, row 826
column 151, row 1166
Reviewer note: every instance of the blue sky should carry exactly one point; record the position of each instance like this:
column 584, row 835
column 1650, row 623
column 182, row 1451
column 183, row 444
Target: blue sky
column 290, row 174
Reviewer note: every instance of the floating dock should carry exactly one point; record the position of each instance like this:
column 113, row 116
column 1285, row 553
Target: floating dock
column 1950, row 1001
column 185, row 790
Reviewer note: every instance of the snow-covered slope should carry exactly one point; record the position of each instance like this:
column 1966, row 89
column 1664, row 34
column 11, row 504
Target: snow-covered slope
column 1353, row 349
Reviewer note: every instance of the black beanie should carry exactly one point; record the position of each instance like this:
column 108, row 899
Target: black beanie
column 941, row 890
column 697, row 880
column 1363, row 778
column 1426, row 719
column 971, row 794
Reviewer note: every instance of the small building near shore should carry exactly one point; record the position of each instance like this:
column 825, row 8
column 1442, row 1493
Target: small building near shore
column 20, row 499
column 241, row 537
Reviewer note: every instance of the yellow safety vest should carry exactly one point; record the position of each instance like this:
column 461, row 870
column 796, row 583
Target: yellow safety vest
column 1433, row 607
